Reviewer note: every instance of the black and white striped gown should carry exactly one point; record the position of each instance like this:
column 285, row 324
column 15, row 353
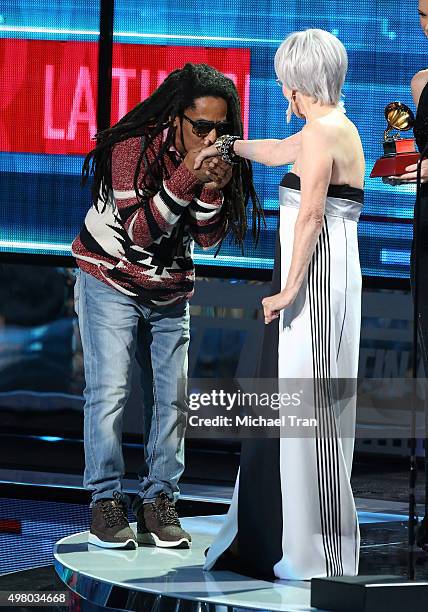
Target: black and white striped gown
column 293, row 514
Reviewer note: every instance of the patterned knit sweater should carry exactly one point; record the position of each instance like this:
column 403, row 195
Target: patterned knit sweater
column 145, row 250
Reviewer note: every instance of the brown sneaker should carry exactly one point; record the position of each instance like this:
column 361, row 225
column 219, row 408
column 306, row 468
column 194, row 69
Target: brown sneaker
column 158, row 525
column 110, row 527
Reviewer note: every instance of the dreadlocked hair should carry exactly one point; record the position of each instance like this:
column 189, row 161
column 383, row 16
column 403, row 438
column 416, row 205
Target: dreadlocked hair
column 151, row 118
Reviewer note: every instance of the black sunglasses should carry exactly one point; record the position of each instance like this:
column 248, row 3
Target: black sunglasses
column 203, row 128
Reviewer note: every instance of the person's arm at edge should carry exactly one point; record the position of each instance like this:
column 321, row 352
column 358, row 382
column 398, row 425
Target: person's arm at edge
column 417, row 84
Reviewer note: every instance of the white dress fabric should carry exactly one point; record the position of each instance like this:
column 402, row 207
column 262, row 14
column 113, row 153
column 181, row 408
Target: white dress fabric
column 293, row 514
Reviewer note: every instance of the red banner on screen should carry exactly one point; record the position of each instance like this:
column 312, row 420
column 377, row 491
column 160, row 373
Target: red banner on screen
column 49, row 88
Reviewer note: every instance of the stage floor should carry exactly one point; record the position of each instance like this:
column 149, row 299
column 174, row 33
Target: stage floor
column 134, row 579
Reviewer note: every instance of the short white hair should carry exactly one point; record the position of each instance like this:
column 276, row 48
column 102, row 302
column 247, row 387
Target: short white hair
column 313, row 62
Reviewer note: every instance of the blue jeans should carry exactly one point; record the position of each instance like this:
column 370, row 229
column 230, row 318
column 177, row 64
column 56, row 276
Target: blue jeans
column 114, row 330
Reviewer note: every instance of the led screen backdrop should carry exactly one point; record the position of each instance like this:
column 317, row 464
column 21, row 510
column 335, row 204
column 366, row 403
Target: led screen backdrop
column 48, row 76
column 58, row 82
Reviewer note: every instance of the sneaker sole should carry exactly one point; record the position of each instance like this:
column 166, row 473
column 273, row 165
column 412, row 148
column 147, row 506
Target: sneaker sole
column 151, row 539
column 129, row 544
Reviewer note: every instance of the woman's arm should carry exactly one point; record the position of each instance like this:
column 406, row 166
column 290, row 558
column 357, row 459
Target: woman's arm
column 410, row 176
column 270, row 151
column 316, row 165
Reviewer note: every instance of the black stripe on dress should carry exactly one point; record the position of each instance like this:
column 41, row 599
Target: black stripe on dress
column 332, row 437
column 312, row 292
column 345, row 191
column 331, row 434
column 327, row 451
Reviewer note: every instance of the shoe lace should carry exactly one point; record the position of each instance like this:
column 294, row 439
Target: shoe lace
column 114, row 511
column 166, row 512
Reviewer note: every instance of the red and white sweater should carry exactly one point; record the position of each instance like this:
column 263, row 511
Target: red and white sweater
column 145, row 250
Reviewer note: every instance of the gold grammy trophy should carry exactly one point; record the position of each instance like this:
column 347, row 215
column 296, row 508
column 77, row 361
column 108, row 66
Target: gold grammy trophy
column 398, row 152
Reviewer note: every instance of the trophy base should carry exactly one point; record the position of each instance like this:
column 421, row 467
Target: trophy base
column 393, row 165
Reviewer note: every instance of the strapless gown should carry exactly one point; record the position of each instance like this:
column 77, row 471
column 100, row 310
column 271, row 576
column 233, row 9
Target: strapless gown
column 293, row 514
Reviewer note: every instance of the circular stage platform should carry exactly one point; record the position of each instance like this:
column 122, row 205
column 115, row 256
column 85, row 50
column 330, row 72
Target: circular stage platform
column 167, row 580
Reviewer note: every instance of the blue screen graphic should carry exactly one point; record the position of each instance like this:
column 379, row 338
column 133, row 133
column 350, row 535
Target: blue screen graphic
column 42, row 204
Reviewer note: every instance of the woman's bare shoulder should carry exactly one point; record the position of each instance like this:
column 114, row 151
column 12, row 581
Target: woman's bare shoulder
column 330, row 128
column 418, row 82
column 421, row 76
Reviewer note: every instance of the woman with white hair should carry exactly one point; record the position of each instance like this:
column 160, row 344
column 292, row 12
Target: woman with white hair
column 292, row 514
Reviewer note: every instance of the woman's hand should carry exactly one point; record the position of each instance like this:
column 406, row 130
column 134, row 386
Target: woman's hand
column 410, row 175
column 210, row 151
column 273, row 304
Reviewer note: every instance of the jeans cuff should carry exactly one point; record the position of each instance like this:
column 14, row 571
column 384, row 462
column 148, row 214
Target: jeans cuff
column 109, row 495
column 139, row 500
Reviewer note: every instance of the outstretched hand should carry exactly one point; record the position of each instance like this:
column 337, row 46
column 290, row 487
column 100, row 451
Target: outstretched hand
column 189, row 162
column 208, row 152
column 209, row 168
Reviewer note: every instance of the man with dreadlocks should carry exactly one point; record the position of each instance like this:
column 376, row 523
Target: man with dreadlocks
column 135, row 278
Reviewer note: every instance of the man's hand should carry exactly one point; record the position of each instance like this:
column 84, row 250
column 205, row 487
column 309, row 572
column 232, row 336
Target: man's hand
column 214, row 172
column 201, row 172
column 218, row 171
column 208, row 152
column 410, row 175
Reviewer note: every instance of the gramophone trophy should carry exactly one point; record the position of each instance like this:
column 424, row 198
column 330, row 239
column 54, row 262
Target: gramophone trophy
column 398, row 152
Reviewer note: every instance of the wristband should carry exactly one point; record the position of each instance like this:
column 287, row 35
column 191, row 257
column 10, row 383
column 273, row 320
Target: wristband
column 224, row 146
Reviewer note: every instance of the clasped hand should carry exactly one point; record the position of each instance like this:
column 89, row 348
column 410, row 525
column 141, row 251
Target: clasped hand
column 273, row 304
column 208, row 167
